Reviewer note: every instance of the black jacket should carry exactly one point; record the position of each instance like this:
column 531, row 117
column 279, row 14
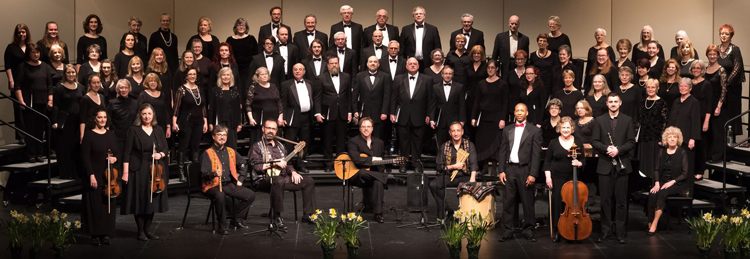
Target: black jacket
column 476, row 38
column 372, row 100
column 290, row 101
column 335, row 104
column 392, row 34
column 430, row 41
column 357, row 37
column 351, row 60
column 529, row 151
column 411, row 109
column 501, row 51
column 277, row 73
column 300, row 39
column 454, row 109
column 623, row 137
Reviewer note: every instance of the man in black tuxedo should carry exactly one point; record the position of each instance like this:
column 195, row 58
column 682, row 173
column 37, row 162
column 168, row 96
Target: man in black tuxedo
column 352, row 30
column 446, row 164
column 372, row 88
column 316, row 64
column 519, row 156
column 268, row 59
column 394, row 64
column 272, row 28
column 335, row 102
column 287, row 51
column 377, row 49
column 507, row 43
column 305, row 37
column 419, row 39
column 390, row 32
column 614, row 164
column 411, row 105
column 450, row 104
column 370, row 177
column 298, row 99
column 473, row 36
column 348, row 59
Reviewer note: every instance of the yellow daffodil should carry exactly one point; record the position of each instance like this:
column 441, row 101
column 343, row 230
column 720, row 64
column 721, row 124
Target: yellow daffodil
column 343, row 216
column 359, row 218
column 78, row 224
column 736, row 220
column 67, row 224
column 315, row 216
column 318, row 211
column 63, row 215
column 707, row 216
column 331, row 211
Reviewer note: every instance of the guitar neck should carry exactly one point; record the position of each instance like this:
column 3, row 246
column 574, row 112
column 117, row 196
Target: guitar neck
column 290, row 156
column 384, row 162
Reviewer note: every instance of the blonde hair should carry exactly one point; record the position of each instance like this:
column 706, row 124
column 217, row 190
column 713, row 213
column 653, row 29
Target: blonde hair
column 130, row 65
column 256, row 77
column 158, row 67
column 562, row 121
column 200, row 21
column 231, row 76
column 605, row 87
column 65, row 74
column 62, row 52
column 152, row 77
column 123, row 82
column 587, row 107
column 669, row 132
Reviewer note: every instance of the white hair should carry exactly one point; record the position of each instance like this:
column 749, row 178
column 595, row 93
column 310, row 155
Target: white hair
column 345, row 8
column 339, row 33
column 601, row 30
column 471, row 17
column 683, row 34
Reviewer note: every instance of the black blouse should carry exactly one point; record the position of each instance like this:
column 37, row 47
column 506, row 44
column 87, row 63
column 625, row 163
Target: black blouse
column 569, row 100
column 656, row 69
column 549, row 132
column 44, row 52
column 263, row 103
column 122, row 112
column 162, row 107
column 599, row 107
column 13, row 58
column 475, row 76
column 535, row 102
column 225, row 106
column 85, row 71
column 685, row 115
column 514, row 87
column 734, row 66
column 136, row 87
column 84, row 42
column 631, row 98
column 491, row 101
column 244, row 49
column 555, row 43
column 35, row 83
column 584, row 131
column 557, row 77
column 718, row 87
column 612, row 76
column 703, row 92
column 638, row 54
column 652, row 119
column 459, row 66
column 545, row 66
column 67, row 101
column 88, row 107
column 189, row 104
column 591, row 57
column 675, row 165
column 669, row 92
column 209, row 47
column 558, row 161
column 122, row 62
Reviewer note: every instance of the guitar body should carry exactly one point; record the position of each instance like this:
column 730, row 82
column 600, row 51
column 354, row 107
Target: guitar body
column 344, row 173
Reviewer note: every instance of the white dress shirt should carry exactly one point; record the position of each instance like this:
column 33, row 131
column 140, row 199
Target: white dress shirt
column 513, row 44
column 269, row 62
column 385, row 33
column 466, row 44
column 341, row 57
column 310, row 38
column 284, row 52
column 516, row 143
column 318, row 65
column 304, row 96
column 412, row 84
column 336, row 82
column 447, row 90
column 372, row 76
column 348, row 33
column 378, row 52
column 275, row 31
column 419, row 37
column 393, row 66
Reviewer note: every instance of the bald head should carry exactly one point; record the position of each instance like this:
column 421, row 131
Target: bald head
column 298, row 70
column 381, row 17
column 513, row 23
column 377, row 37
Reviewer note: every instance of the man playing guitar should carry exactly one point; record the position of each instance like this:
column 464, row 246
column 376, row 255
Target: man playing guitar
column 370, row 177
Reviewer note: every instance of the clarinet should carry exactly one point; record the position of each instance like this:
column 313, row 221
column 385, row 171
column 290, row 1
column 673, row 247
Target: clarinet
column 614, row 162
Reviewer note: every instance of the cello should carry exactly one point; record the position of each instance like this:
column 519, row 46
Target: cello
column 113, row 188
column 574, row 223
column 157, row 182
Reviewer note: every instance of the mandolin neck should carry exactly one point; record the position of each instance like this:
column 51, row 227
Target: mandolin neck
column 384, row 162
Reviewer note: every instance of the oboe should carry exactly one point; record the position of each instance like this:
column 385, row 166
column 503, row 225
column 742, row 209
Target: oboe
column 614, row 162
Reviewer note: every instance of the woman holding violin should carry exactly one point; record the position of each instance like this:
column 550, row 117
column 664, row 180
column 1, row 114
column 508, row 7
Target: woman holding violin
column 558, row 168
column 99, row 151
column 144, row 171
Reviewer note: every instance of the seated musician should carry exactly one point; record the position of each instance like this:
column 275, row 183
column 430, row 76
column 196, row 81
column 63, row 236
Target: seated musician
column 447, row 163
column 267, row 157
column 221, row 164
column 372, row 181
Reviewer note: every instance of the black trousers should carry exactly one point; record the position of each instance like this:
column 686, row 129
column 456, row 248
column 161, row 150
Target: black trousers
column 35, row 126
column 613, row 185
column 190, row 137
column 244, row 195
column 231, row 135
column 373, row 190
column 442, row 135
column 557, row 205
column 18, row 116
column 377, row 130
column 334, row 129
column 438, row 190
column 658, row 200
column 299, row 133
column 410, row 139
column 717, row 138
column 284, row 183
column 516, row 189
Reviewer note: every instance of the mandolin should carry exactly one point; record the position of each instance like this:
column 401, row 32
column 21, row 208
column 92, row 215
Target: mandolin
column 351, row 169
column 273, row 172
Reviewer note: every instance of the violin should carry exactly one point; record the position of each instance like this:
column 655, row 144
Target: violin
column 157, row 182
column 574, row 223
column 113, row 188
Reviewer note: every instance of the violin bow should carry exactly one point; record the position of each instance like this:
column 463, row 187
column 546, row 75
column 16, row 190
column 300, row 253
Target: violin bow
column 109, row 184
column 153, row 163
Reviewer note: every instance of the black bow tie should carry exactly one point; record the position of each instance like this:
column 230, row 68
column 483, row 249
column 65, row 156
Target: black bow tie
column 341, row 51
column 311, row 34
column 468, row 34
column 282, row 44
column 347, row 25
column 334, row 75
column 268, row 55
column 381, row 29
column 275, row 26
column 300, row 81
column 379, row 47
column 373, row 74
column 412, row 77
column 394, row 60
column 317, row 59
column 447, row 84
column 419, row 26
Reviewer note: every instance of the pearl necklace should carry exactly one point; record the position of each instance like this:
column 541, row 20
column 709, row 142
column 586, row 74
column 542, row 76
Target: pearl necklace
column 624, row 91
column 197, row 99
column 168, row 43
column 685, row 63
column 645, row 104
column 568, row 93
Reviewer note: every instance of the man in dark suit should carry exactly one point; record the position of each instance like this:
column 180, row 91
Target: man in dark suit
column 270, row 60
column 519, row 156
column 467, row 170
column 377, row 49
column 411, row 106
column 335, row 102
column 352, row 30
column 614, row 164
column 450, row 104
column 390, row 32
column 507, row 43
column 272, row 28
column 287, row 51
column 473, row 36
column 372, row 88
column 348, row 59
column 298, row 99
column 394, row 64
column 419, row 32
column 316, row 64
column 373, row 180
column 305, row 37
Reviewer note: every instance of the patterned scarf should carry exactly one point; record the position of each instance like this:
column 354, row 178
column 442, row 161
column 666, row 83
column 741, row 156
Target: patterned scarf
column 448, row 148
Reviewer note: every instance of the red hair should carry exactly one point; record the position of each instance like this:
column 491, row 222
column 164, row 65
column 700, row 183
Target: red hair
column 217, row 57
column 729, row 27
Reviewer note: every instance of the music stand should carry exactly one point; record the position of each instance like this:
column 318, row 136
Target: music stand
column 423, row 221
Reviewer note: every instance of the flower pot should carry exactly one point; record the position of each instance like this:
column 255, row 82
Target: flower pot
column 353, row 249
column 704, row 252
column 732, row 254
column 35, row 252
column 745, row 252
column 15, row 252
column 328, row 250
column 60, row 250
column 473, row 251
column 454, row 251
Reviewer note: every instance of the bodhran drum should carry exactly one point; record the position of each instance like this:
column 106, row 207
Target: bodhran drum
column 486, row 207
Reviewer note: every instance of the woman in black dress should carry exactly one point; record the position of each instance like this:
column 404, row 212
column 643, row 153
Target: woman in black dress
column 90, row 102
column 668, row 83
column 33, row 88
column 549, row 126
column 489, row 114
column 244, row 47
column 122, row 59
column 640, row 50
column 631, row 97
column 14, row 57
column 57, row 55
column 564, row 54
column 109, row 79
column 730, row 58
column 66, row 97
column 514, row 77
column 135, row 76
column 642, row 74
column 651, row 121
column 161, row 102
column 686, row 56
column 178, row 79
column 476, row 71
column 558, row 166
column 436, row 69
column 225, row 106
column 204, row 66
column 623, row 50
column 600, row 35
column 209, row 42
column 602, row 66
column 97, row 150
column 657, row 62
column 679, row 37
column 685, row 115
column 224, row 58
column 669, row 176
column 597, row 97
column 703, row 92
column 716, row 75
column 533, row 95
column 544, row 59
column 556, row 38
column 262, row 103
column 92, row 25
column 91, row 65
column 189, row 118
column 143, row 138
column 584, row 124
column 568, row 95
column 51, row 38
column 158, row 65
column 458, row 60
column 122, row 110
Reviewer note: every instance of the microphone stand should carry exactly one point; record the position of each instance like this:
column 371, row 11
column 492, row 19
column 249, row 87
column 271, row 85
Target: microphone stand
column 272, row 228
column 346, row 193
column 423, row 221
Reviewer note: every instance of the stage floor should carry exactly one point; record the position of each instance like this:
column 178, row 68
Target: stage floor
column 378, row 241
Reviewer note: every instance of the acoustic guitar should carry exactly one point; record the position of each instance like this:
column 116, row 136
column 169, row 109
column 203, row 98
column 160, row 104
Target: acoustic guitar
column 351, row 169
column 273, row 172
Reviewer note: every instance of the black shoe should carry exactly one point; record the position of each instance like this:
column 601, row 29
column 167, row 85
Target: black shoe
column 152, row 236
column 40, row 159
column 53, row 155
column 603, row 238
column 223, row 231
column 622, row 240
column 32, row 160
column 279, row 223
column 142, row 237
column 402, row 169
column 505, row 238
column 307, row 219
column 556, row 238
column 106, row 241
column 95, row 241
column 531, row 239
column 238, row 224
column 329, row 168
column 379, row 218
column 302, row 168
column 22, row 142
column 649, row 233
